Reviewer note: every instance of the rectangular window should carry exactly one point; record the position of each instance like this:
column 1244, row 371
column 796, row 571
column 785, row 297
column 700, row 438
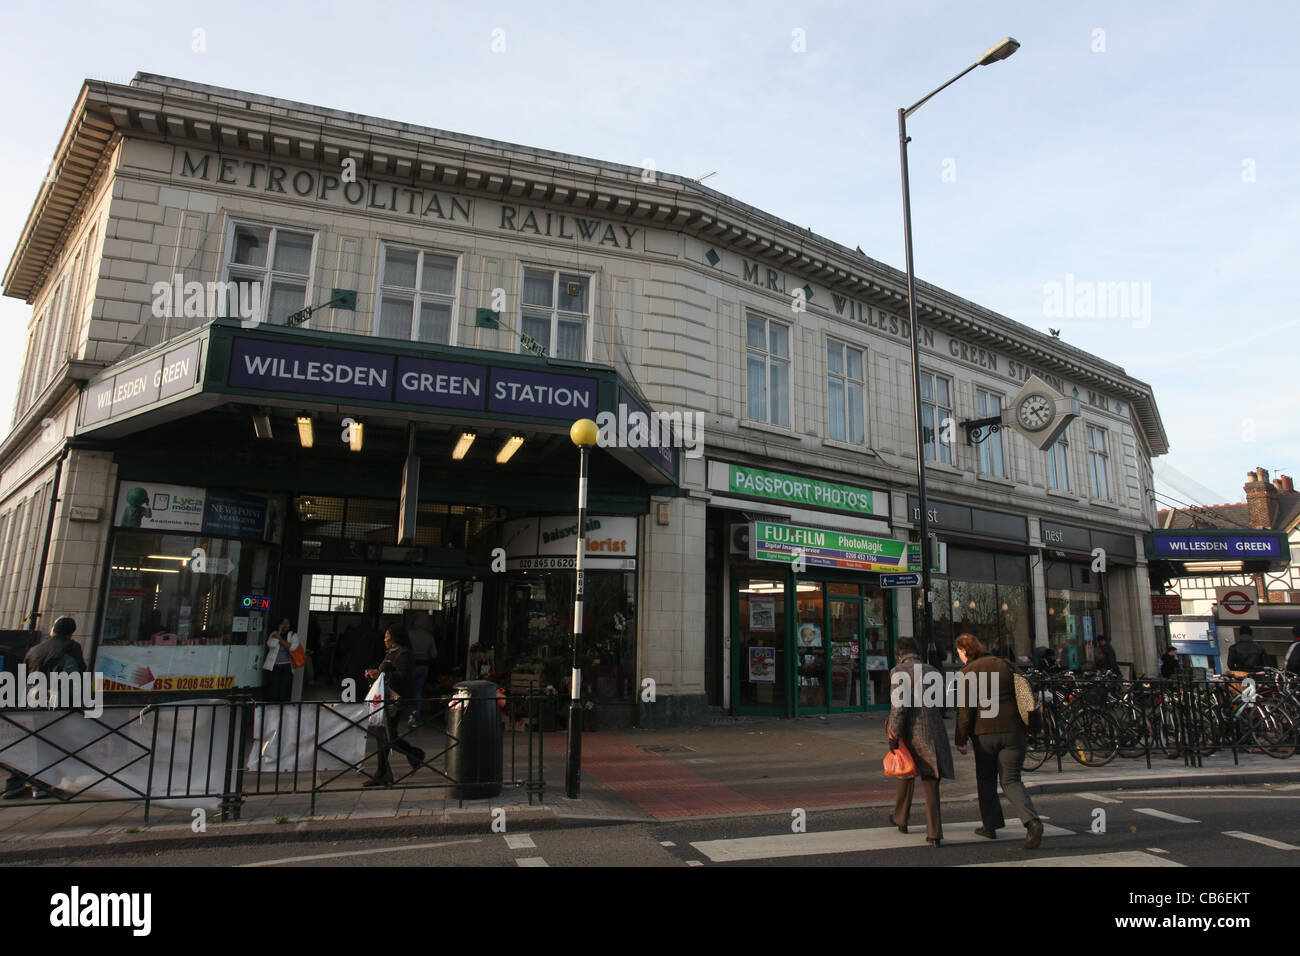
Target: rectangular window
column 844, row 389
column 410, row 594
column 417, row 295
column 554, row 309
column 1058, row 465
column 337, row 592
column 936, row 411
column 990, row 449
column 274, row 262
column 767, row 371
column 1097, row 463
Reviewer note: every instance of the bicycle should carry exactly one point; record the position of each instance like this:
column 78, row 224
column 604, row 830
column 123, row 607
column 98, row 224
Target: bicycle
column 1088, row 734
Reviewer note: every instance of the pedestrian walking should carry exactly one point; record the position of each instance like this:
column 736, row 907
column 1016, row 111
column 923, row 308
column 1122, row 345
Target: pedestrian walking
column 1246, row 655
column 922, row 730
column 999, row 737
column 1105, row 657
column 1169, row 663
column 398, row 669
column 57, row 654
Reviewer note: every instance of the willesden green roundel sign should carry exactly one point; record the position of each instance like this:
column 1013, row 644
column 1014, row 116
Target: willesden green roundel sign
column 792, row 489
column 827, row 549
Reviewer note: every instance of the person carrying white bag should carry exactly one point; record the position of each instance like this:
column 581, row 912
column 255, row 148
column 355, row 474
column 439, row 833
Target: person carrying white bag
column 394, row 678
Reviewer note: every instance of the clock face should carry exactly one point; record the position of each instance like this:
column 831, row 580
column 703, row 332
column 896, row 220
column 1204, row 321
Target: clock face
column 1036, row 412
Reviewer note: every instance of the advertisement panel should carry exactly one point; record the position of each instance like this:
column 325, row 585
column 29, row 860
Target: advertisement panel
column 826, row 549
column 550, row 543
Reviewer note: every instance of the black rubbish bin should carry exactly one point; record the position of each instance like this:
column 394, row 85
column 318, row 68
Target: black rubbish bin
column 474, row 726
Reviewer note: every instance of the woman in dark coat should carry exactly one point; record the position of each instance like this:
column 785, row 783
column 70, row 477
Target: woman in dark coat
column 921, row 728
column 1000, row 738
column 398, row 668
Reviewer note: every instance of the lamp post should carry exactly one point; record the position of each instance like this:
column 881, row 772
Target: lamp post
column 999, row 52
column 583, row 434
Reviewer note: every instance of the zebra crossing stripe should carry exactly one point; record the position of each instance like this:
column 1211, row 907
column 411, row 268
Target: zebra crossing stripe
column 1262, row 841
column 1162, row 815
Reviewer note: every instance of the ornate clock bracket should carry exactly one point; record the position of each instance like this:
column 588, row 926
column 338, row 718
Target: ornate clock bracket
column 978, row 429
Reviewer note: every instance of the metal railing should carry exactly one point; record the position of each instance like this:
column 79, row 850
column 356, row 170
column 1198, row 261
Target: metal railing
column 220, row 753
column 1096, row 719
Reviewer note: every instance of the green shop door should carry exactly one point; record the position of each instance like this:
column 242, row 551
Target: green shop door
column 843, row 643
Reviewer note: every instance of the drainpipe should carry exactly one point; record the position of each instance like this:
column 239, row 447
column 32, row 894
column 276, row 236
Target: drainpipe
column 69, row 445
column 49, row 533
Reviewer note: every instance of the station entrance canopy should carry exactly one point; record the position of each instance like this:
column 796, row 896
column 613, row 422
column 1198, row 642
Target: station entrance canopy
column 315, row 371
column 1188, row 553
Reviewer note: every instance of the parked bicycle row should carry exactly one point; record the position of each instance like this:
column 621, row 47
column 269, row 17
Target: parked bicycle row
column 1095, row 718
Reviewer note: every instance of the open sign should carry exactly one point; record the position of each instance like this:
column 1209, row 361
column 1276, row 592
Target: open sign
column 255, row 602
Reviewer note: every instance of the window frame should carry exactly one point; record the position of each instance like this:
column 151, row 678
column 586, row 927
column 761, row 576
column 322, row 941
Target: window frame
column 983, row 448
column 843, row 377
column 1104, row 455
column 768, row 359
column 418, row 295
column 588, row 320
column 269, row 273
column 1062, row 466
column 934, row 405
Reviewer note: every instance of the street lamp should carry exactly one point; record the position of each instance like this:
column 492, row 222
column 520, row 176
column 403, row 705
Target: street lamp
column 583, row 434
column 992, row 55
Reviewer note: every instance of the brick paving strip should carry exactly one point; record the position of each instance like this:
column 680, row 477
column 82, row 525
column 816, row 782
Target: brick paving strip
column 656, row 784
column 665, row 789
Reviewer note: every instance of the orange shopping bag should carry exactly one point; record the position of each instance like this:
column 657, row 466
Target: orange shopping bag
column 899, row 762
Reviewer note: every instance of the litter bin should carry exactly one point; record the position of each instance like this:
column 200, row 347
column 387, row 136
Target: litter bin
column 474, row 725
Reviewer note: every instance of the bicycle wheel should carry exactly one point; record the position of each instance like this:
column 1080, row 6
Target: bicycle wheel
column 1132, row 735
column 1093, row 739
column 1273, row 732
column 1037, row 751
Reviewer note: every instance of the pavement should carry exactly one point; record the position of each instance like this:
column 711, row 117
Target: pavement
column 731, row 767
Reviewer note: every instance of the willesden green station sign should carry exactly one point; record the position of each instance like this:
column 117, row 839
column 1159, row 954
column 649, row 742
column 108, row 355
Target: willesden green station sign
column 809, row 492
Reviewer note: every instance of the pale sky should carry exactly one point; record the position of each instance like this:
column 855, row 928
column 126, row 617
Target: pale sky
column 1154, row 143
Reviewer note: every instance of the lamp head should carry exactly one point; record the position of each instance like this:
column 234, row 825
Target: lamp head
column 584, row 433
column 999, row 52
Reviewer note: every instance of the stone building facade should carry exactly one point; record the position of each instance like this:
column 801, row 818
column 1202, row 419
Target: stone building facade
column 471, row 286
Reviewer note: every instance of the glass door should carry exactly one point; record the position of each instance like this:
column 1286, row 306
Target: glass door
column 844, row 624
column 810, row 646
column 759, row 634
column 877, row 650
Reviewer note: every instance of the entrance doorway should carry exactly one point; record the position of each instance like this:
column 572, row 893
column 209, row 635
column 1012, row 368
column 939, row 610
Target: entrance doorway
column 844, row 643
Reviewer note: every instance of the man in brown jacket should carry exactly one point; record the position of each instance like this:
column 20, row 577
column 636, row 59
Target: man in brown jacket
column 999, row 736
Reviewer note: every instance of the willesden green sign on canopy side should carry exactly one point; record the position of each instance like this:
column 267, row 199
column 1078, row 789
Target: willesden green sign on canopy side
column 810, row 492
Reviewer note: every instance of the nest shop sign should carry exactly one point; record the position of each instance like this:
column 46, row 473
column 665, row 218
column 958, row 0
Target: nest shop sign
column 343, row 189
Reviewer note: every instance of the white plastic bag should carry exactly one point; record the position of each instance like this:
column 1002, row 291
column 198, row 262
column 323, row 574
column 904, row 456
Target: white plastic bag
column 376, row 698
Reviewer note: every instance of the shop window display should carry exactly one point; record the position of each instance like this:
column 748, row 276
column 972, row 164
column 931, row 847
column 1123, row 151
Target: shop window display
column 176, row 622
column 538, row 635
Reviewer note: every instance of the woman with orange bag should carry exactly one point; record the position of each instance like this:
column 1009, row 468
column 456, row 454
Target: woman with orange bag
column 921, row 730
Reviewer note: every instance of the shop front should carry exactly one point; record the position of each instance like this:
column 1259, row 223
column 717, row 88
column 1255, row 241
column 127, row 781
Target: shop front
column 813, row 629
column 1078, row 563
column 983, row 585
column 191, row 578
column 809, row 628
column 260, row 488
